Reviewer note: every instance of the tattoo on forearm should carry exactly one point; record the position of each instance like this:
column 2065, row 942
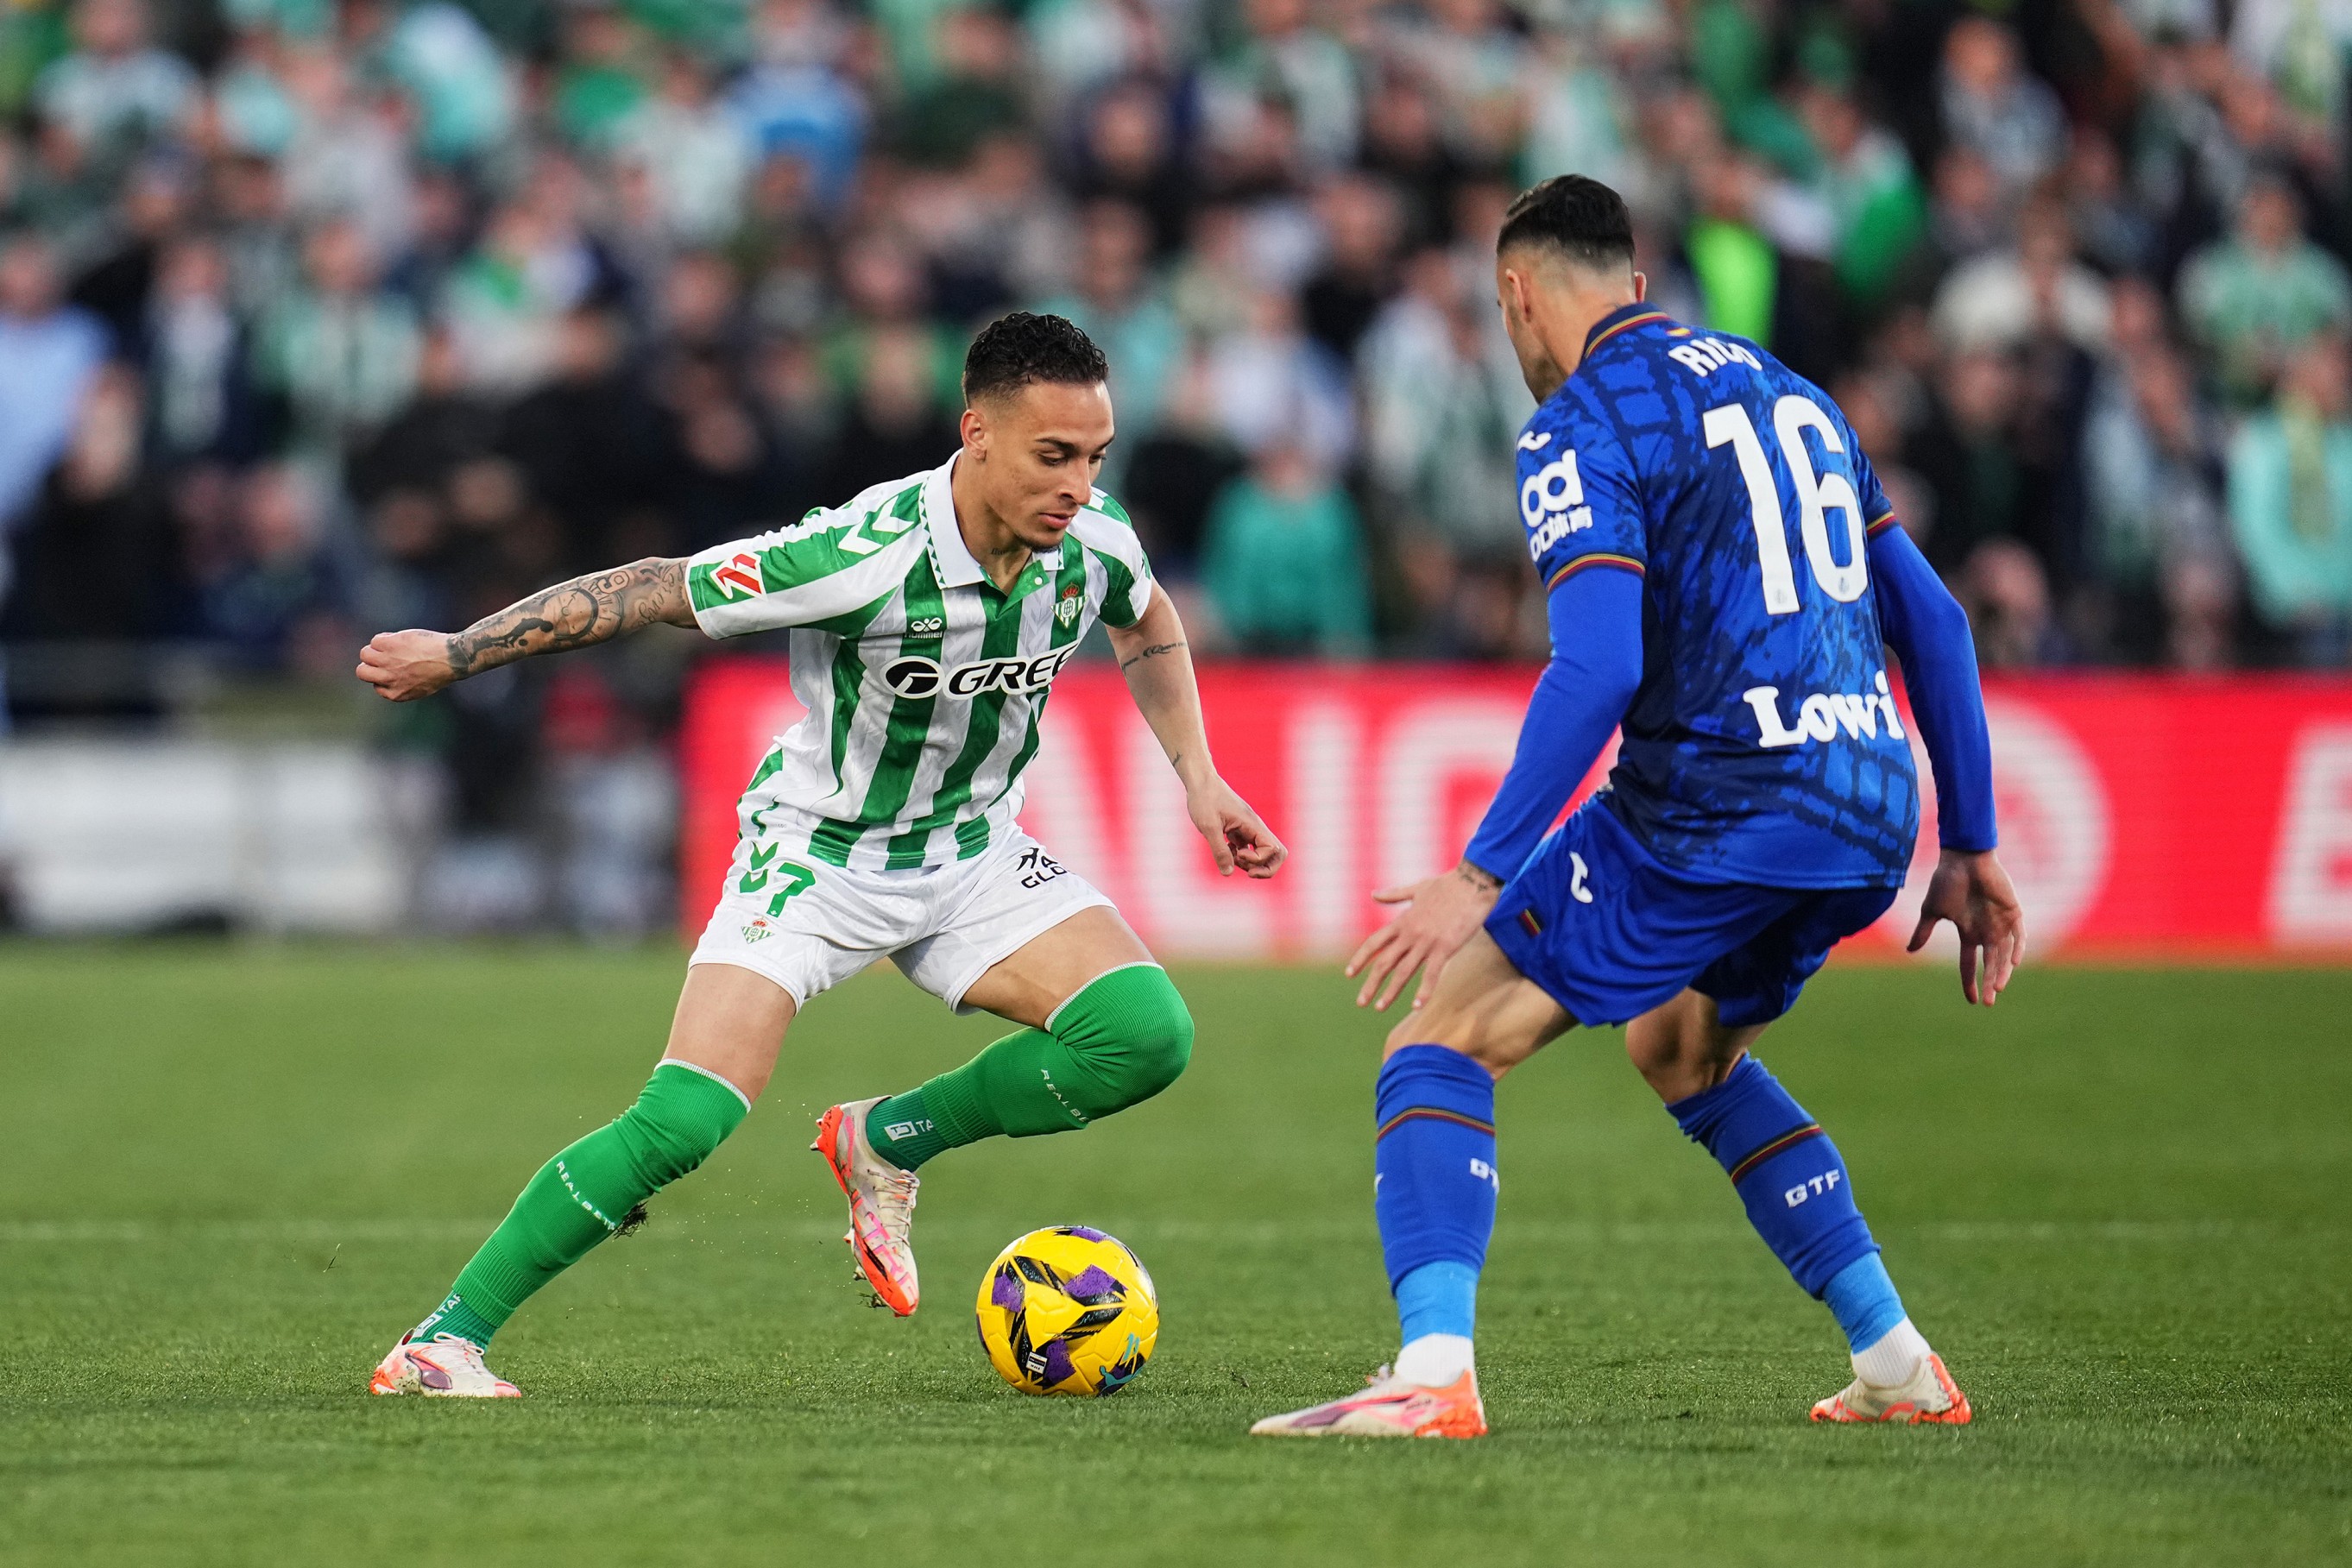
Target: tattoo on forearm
column 1483, row 881
column 1152, row 651
column 574, row 614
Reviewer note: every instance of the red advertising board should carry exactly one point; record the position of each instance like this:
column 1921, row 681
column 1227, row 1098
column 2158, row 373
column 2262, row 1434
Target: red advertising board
column 2141, row 815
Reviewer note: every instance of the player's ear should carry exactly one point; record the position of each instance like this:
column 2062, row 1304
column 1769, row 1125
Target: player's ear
column 1640, row 286
column 974, row 429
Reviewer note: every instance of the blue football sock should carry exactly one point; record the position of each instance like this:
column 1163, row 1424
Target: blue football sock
column 1785, row 1169
column 1435, row 1184
column 1438, row 1298
column 1864, row 1301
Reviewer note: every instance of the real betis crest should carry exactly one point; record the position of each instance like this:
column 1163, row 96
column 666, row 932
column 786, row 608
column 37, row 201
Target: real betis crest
column 1067, row 611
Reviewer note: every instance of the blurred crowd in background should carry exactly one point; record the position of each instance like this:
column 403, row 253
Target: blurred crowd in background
column 321, row 317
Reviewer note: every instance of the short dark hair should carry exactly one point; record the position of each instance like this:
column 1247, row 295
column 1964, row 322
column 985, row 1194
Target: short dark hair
column 1580, row 218
column 1015, row 350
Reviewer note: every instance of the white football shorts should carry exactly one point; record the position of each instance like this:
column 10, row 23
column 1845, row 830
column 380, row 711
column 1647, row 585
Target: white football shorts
column 808, row 926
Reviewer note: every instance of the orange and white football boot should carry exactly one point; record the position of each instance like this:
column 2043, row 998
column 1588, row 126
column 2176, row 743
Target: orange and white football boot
column 1388, row 1407
column 881, row 1204
column 1928, row 1397
column 443, row 1367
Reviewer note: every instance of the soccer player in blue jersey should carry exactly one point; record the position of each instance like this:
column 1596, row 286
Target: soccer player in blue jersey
column 1724, row 573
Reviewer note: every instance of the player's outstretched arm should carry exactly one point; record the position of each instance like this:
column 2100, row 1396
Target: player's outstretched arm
column 404, row 665
column 1929, row 634
column 1157, row 665
column 1595, row 669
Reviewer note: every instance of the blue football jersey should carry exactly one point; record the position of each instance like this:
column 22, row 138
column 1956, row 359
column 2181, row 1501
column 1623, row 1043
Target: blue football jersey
column 1762, row 745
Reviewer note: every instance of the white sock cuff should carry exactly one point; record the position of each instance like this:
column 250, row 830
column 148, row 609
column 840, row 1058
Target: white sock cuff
column 1890, row 1361
column 1436, row 1360
column 715, row 1078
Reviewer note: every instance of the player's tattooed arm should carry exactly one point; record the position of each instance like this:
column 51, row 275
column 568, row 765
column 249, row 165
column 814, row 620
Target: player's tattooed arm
column 1155, row 651
column 585, row 611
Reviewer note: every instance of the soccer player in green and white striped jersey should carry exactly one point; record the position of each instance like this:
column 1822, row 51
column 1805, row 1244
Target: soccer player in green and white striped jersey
column 928, row 620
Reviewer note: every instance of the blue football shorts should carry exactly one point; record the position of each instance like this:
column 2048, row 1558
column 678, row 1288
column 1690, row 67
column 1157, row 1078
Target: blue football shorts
column 1610, row 933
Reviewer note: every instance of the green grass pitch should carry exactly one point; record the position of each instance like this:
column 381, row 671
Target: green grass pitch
column 229, row 1176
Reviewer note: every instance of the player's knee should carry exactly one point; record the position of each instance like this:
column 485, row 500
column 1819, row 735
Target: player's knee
column 1683, row 1047
column 1133, row 1029
column 1456, row 1032
column 683, row 1115
column 1159, row 1044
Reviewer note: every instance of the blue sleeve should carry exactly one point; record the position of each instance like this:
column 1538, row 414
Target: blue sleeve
column 1930, row 633
column 1578, row 495
column 1596, row 665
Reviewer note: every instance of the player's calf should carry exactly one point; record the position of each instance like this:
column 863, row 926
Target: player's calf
column 1116, row 1041
column 593, row 1189
column 1794, row 1186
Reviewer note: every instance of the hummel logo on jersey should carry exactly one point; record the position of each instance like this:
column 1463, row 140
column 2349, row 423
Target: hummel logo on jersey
column 1822, row 714
column 915, row 676
column 1705, row 356
column 1038, row 868
column 927, row 626
column 1535, row 441
column 738, row 576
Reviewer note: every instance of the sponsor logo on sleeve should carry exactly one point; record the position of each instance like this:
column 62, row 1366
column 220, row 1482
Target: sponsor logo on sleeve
column 739, row 577
column 1553, row 502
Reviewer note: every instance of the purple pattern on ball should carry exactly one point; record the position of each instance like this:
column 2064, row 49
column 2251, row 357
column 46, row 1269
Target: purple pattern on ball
column 1008, row 1292
column 1057, row 1362
column 1089, row 1231
column 1095, row 1281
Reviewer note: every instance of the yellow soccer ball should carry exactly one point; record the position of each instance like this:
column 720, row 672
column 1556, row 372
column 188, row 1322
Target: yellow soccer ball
column 1068, row 1310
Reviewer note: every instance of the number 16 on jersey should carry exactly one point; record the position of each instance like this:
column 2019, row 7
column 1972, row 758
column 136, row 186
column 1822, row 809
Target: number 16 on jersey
column 1818, row 495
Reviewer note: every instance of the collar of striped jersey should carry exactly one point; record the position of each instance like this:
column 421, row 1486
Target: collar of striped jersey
column 952, row 558
column 1639, row 314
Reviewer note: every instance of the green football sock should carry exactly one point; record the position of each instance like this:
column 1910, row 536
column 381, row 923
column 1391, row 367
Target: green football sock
column 1120, row 1040
column 589, row 1191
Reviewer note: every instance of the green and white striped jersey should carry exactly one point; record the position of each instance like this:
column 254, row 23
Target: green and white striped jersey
column 924, row 684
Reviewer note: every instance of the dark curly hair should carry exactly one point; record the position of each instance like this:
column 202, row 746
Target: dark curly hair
column 1580, row 218
column 1024, row 346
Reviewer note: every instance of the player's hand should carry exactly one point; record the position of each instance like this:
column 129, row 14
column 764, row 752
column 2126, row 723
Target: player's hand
column 405, row 665
column 1236, row 835
column 1444, row 913
column 1971, row 891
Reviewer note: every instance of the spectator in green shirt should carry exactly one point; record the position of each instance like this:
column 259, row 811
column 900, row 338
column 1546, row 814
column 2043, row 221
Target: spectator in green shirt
column 1283, row 559
column 2290, row 502
column 2256, row 298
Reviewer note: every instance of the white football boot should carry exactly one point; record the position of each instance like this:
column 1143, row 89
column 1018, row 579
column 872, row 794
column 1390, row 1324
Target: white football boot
column 881, row 1204
column 1928, row 1397
column 443, row 1367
